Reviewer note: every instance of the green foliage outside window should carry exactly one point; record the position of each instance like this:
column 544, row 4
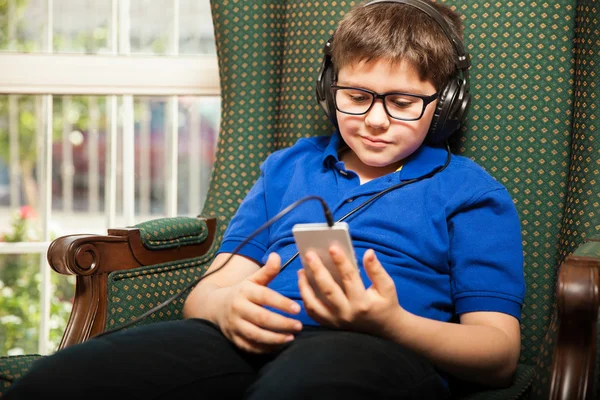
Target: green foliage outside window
column 20, row 293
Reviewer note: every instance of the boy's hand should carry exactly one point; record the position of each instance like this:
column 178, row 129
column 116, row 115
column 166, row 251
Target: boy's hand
column 243, row 318
column 351, row 306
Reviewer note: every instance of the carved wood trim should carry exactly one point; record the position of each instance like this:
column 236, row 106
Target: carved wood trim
column 92, row 257
column 578, row 301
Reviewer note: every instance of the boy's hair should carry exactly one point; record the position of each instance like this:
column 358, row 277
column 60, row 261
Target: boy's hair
column 398, row 32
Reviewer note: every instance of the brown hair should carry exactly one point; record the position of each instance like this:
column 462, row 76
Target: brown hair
column 398, row 32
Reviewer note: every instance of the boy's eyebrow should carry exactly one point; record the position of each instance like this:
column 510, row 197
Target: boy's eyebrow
column 405, row 89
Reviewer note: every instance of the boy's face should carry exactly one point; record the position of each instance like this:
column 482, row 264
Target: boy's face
column 378, row 140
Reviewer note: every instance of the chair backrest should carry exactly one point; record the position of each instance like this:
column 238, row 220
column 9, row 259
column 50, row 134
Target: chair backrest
column 531, row 123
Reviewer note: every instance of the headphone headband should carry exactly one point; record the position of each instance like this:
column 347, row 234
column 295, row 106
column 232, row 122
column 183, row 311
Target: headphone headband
column 454, row 98
column 462, row 61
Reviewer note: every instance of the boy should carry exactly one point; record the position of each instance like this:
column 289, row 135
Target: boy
column 440, row 286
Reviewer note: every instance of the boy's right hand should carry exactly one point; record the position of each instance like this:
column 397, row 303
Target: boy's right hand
column 245, row 321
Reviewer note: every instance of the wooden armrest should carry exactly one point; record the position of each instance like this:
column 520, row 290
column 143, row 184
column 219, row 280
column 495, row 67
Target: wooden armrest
column 92, row 257
column 578, row 300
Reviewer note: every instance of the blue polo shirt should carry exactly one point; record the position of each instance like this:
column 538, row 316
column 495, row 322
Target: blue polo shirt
column 451, row 243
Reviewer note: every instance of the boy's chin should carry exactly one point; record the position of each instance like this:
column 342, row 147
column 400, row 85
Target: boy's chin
column 380, row 164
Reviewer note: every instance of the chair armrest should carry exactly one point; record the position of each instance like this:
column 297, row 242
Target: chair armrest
column 578, row 300
column 92, row 257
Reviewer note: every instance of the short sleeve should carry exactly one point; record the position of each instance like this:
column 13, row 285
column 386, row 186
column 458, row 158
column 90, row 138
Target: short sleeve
column 251, row 214
column 486, row 255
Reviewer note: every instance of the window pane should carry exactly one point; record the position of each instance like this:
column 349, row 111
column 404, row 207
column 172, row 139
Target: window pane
column 21, row 127
column 153, row 26
column 23, row 25
column 79, row 148
column 196, row 35
column 86, row 26
column 197, row 130
column 81, row 26
column 78, row 161
column 20, row 304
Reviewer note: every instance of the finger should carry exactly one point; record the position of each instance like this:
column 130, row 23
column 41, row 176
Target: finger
column 269, row 271
column 351, row 281
column 324, row 282
column 265, row 296
column 270, row 320
column 253, row 347
column 260, row 336
column 313, row 305
column 382, row 281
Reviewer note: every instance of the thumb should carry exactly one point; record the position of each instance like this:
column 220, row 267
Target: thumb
column 268, row 272
column 382, row 281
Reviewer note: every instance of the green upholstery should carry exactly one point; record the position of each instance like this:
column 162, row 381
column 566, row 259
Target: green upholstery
column 582, row 205
column 532, row 124
column 522, row 382
column 168, row 233
column 134, row 292
column 13, row 367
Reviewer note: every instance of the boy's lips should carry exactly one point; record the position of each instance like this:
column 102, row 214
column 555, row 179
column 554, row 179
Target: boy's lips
column 374, row 142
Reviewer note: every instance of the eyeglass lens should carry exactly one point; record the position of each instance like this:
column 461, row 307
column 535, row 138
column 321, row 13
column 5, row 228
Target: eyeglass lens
column 357, row 102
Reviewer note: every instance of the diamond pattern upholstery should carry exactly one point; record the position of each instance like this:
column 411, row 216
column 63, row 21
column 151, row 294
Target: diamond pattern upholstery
column 13, row 367
column 167, row 233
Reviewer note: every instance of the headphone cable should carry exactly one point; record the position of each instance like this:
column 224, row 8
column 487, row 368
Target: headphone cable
column 383, row 192
column 328, row 218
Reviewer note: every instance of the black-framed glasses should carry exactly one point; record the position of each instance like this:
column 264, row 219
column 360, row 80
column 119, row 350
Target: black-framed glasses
column 398, row 105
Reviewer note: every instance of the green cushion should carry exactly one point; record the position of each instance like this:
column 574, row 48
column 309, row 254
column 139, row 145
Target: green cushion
column 588, row 249
column 14, row 367
column 167, row 233
column 518, row 390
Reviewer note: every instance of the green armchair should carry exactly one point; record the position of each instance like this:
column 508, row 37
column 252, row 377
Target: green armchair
column 532, row 125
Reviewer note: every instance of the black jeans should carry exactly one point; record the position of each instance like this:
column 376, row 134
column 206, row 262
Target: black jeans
column 191, row 359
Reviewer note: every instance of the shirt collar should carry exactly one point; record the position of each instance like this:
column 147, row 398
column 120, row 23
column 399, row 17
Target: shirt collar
column 330, row 155
column 421, row 162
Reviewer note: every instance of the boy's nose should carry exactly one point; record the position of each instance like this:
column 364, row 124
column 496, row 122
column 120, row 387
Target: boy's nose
column 377, row 116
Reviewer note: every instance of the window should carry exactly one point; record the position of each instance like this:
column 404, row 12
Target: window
column 109, row 113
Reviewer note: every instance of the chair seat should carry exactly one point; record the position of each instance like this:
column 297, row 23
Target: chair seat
column 13, row 367
column 523, row 379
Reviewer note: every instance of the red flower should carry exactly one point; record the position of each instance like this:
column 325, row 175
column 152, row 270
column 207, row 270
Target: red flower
column 27, row 212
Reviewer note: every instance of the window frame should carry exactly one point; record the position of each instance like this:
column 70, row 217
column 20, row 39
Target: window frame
column 116, row 74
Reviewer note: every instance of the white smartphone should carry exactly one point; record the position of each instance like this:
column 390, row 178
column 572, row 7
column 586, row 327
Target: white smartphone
column 319, row 237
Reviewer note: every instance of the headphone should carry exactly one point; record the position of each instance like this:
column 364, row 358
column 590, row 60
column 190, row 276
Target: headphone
column 454, row 98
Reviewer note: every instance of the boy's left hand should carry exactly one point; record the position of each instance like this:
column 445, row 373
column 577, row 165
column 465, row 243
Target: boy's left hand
column 351, row 306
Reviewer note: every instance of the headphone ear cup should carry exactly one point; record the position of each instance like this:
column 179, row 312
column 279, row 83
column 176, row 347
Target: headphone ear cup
column 445, row 120
column 324, row 81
